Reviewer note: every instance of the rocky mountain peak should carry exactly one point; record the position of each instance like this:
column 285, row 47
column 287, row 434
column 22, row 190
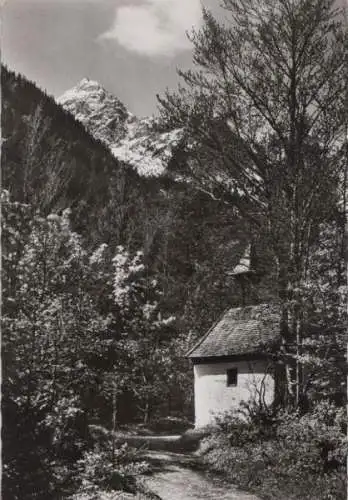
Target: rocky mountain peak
column 103, row 114
column 137, row 141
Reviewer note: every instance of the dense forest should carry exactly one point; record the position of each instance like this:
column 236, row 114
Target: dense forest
column 109, row 277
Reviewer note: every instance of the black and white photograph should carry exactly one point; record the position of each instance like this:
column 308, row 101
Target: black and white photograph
column 174, row 249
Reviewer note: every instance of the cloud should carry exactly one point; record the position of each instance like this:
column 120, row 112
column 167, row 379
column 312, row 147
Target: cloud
column 156, row 27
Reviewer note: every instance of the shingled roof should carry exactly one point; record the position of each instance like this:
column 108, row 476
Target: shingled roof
column 240, row 331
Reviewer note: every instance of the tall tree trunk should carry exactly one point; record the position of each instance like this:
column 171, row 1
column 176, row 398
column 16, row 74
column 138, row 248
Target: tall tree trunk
column 114, row 421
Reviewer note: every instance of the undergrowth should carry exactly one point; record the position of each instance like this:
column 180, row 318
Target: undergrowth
column 109, row 468
column 288, row 455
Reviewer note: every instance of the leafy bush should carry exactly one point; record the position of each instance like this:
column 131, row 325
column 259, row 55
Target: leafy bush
column 247, row 424
column 110, row 468
column 295, row 456
column 316, row 440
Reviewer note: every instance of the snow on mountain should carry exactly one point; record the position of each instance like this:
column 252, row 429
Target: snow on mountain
column 134, row 140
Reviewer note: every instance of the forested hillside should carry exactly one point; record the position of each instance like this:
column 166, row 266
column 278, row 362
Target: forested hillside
column 51, row 163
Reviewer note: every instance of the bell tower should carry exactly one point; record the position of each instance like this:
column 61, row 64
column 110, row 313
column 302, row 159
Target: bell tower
column 243, row 272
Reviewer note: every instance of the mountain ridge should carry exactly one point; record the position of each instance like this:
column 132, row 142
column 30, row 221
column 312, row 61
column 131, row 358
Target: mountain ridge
column 136, row 141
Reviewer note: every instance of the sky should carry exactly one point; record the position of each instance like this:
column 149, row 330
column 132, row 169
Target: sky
column 132, row 47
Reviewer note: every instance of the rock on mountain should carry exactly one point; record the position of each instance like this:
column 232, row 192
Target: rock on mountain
column 137, row 141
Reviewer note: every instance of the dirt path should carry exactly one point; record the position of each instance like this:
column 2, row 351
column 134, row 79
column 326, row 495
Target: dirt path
column 175, row 478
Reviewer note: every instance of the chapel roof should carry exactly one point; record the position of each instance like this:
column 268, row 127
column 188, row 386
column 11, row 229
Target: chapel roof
column 240, row 331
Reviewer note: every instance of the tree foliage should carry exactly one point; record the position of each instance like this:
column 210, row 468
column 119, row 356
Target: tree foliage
column 84, row 336
column 264, row 121
column 52, row 330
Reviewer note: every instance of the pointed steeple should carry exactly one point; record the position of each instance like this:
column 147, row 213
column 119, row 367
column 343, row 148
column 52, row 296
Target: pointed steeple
column 244, row 265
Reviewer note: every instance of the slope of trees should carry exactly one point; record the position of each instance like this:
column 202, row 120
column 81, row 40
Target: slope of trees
column 52, row 163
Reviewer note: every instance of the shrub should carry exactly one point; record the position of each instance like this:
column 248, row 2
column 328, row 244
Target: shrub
column 244, row 426
column 290, row 456
column 316, row 439
column 106, row 468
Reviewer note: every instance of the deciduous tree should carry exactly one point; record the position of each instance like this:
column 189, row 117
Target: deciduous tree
column 263, row 120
